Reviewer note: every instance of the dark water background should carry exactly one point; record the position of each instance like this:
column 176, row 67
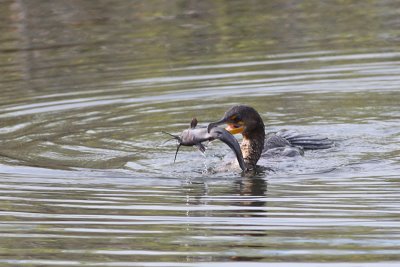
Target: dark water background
column 88, row 86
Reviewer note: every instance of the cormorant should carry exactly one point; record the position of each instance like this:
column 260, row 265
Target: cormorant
column 256, row 143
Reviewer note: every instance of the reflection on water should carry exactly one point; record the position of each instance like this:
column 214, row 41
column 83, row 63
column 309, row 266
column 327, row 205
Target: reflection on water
column 88, row 86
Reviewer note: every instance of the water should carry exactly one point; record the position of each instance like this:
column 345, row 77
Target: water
column 87, row 87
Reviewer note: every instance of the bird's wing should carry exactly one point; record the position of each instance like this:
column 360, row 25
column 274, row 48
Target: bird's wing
column 306, row 141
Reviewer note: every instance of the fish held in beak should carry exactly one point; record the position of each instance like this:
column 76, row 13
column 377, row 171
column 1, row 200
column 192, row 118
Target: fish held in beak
column 196, row 136
column 226, row 137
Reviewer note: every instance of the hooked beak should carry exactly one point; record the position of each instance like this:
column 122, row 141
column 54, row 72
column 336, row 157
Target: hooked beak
column 233, row 128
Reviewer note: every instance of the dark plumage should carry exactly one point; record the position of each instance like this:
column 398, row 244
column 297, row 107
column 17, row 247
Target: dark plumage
column 246, row 120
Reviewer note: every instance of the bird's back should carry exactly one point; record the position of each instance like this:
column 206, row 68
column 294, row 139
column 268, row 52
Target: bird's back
column 292, row 143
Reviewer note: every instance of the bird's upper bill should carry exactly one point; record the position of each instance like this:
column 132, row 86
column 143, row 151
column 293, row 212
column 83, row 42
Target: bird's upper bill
column 234, row 126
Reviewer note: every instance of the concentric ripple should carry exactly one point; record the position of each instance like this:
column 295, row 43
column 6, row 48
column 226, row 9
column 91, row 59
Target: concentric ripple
column 87, row 87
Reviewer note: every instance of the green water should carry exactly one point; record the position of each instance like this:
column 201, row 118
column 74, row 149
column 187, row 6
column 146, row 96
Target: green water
column 87, row 87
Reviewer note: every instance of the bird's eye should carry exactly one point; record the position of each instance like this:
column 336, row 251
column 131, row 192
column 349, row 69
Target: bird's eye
column 236, row 118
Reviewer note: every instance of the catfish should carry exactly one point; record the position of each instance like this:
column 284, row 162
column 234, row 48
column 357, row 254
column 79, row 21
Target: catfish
column 195, row 136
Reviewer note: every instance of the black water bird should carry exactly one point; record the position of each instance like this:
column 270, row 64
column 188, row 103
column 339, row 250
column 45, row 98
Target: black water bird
column 256, row 143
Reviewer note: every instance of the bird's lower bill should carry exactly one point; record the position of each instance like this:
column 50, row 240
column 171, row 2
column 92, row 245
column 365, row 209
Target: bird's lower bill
column 234, row 129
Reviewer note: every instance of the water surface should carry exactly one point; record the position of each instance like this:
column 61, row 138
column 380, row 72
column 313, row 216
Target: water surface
column 87, row 87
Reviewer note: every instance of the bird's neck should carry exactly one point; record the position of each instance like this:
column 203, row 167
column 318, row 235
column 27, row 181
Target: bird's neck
column 253, row 145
